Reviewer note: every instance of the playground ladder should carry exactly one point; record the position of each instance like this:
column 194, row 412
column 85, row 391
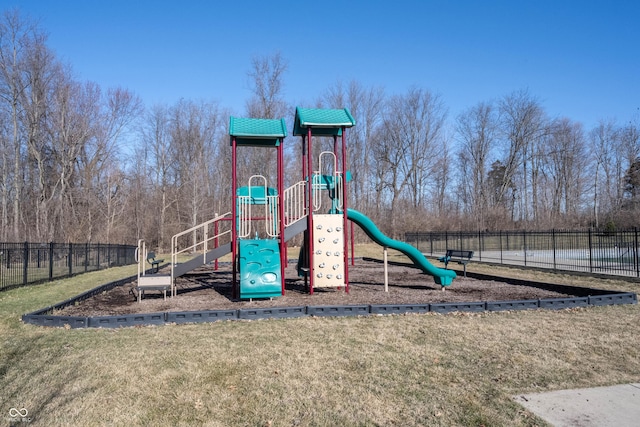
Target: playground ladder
column 327, row 177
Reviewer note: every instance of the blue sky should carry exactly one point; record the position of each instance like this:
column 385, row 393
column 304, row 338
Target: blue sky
column 581, row 59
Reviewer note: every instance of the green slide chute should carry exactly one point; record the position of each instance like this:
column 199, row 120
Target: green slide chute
column 440, row 275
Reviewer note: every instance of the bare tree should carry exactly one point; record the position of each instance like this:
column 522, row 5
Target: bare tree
column 266, row 82
column 603, row 148
column 366, row 106
column 522, row 125
column 477, row 130
column 15, row 40
column 194, row 131
column 629, row 139
column 42, row 72
column 565, row 167
column 157, row 152
column 99, row 158
column 632, row 187
column 267, row 86
column 412, row 131
column 502, row 196
column 5, row 184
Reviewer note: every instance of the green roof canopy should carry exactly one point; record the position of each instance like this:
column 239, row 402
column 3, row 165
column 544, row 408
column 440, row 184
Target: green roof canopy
column 257, row 132
column 323, row 122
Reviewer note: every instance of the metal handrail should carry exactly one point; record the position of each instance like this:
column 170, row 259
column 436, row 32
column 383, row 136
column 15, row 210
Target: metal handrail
column 204, row 242
column 294, row 207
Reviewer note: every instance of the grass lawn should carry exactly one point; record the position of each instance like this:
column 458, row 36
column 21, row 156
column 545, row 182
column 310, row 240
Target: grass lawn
column 456, row 369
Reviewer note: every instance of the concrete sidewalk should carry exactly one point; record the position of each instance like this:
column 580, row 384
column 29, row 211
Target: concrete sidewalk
column 617, row 406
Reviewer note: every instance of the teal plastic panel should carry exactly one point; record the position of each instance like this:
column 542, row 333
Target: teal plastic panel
column 259, row 268
column 257, row 193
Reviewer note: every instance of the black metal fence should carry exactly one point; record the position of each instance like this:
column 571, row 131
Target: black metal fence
column 26, row 263
column 614, row 253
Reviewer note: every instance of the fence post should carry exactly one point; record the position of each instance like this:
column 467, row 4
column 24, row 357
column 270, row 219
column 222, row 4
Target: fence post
column 553, row 245
column 524, row 243
column 70, row 258
column 590, row 253
column 635, row 251
column 50, row 261
column 25, row 264
column 86, row 257
column 480, row 245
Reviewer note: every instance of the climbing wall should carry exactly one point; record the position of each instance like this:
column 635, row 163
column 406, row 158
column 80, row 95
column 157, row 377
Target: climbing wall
column 328, row 246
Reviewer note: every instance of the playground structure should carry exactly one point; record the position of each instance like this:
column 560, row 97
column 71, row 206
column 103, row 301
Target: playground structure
column 264, row 218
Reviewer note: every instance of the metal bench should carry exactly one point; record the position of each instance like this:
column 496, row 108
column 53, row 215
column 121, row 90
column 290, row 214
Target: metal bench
column 461, row 257
column 155, row 263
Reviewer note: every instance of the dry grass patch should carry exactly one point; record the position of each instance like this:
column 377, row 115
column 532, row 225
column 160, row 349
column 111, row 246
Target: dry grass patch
column 392, row 370
column 413, row 370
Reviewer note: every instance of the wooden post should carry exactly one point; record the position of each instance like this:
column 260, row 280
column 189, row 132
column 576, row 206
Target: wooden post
column 386, row 271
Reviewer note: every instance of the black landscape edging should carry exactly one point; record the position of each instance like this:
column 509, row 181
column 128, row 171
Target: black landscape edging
column 179, row 317
column 272, row 313
column 125, row 320
column 399, row 308
column 337, row 310
column 583, row 298
column 614, row 299
column 56, row 321
column 524, row 304
column 560, row 303
column 450, row 307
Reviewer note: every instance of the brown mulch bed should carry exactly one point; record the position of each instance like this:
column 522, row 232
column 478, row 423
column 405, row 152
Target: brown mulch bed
column 206, row 289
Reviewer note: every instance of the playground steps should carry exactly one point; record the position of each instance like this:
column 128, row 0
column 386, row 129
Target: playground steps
column 153, row 282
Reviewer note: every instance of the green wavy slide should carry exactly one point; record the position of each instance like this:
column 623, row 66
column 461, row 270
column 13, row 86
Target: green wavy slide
column 440, row 275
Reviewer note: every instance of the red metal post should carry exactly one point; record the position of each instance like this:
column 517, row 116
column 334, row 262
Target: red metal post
column 310, row 205
column 344, row 210
column 306, row 194
column 234, row 213
column 283, row 245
